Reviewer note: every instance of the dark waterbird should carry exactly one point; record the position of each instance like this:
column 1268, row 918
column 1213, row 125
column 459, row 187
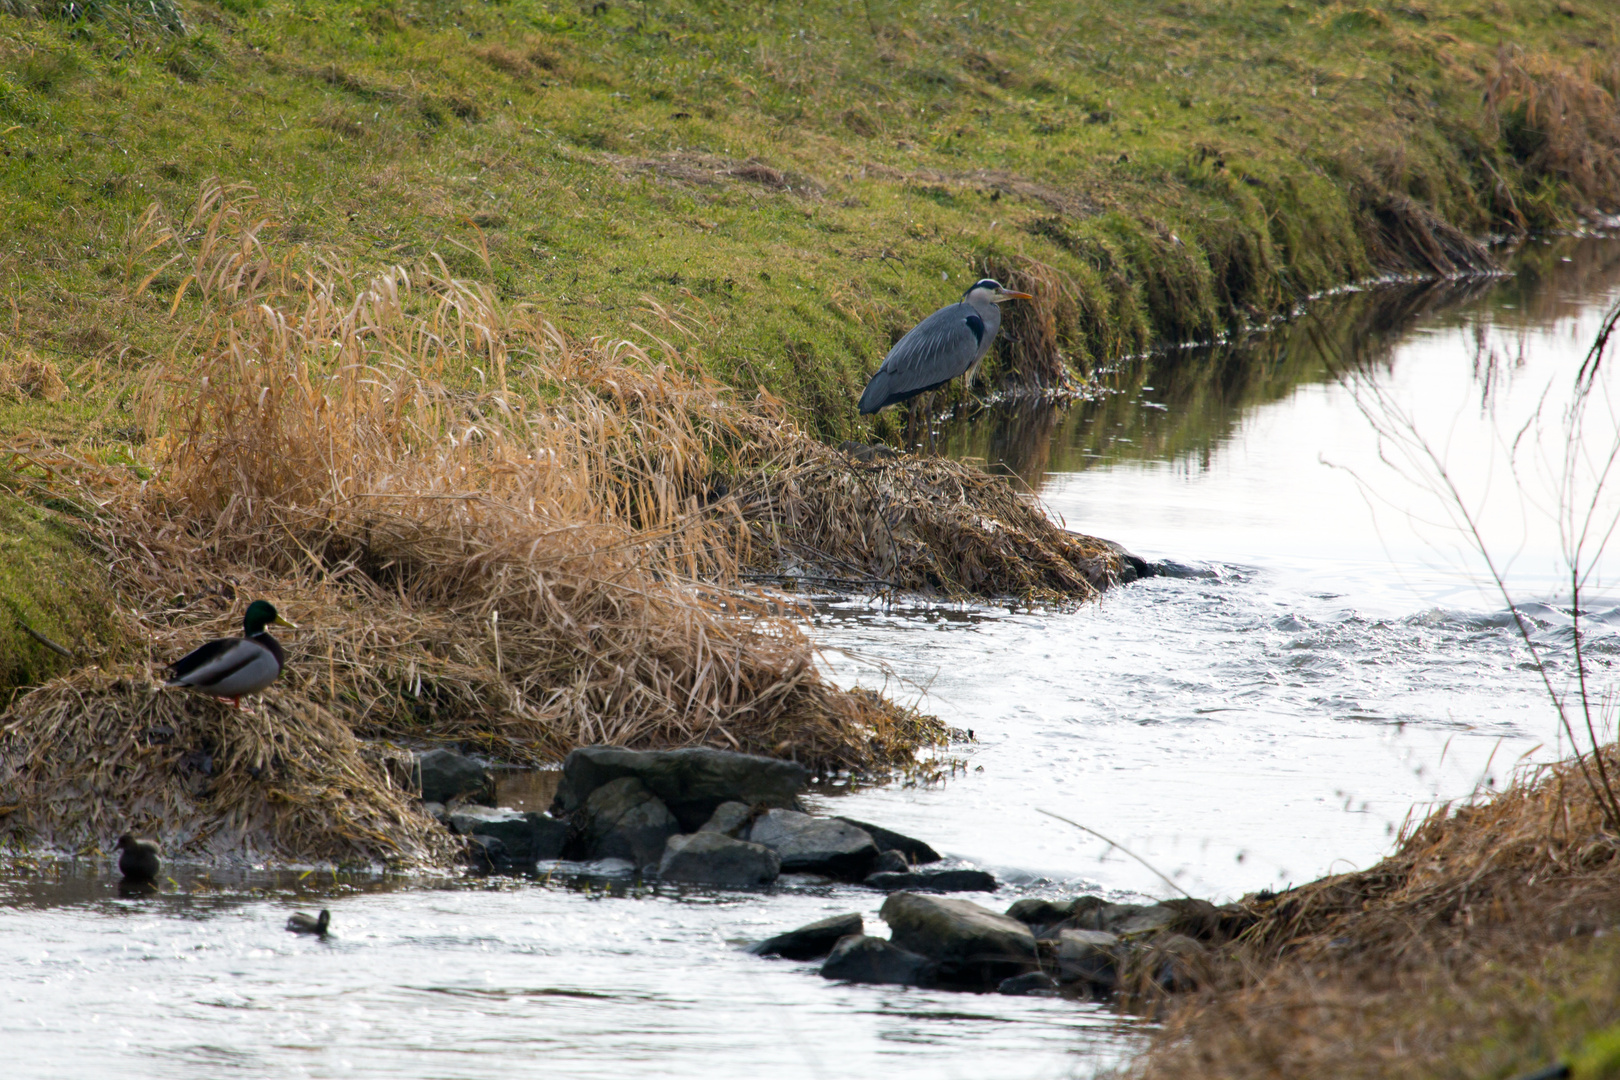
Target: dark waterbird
column 950, row 342
column 231, row 668
column 138, row 859
column 299, row 923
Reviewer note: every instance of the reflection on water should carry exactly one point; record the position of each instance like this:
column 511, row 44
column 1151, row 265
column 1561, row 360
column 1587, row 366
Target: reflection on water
column 1182, row 406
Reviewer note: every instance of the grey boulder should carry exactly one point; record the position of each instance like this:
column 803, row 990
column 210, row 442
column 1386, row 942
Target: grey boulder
column 811, row 941
column 692, row 782
column 1036, row 913
column 815, row 845
column 1089, row 956
column 933, row 881
column 623, row 820
column 443, row 775
column 891, row 862
column 863, row 959
column 713, row 858
column 729, row 818
column 915, row 851
column 526, row 837
column 973, row 948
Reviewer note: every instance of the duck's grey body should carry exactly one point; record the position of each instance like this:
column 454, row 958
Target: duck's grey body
column 231, row 667
column 299, row 923
column 952, row 341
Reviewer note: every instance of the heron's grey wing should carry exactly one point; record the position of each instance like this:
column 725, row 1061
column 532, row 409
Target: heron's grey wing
column 934, row 352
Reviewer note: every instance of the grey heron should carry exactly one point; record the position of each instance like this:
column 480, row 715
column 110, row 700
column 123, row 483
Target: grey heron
column 950, row 342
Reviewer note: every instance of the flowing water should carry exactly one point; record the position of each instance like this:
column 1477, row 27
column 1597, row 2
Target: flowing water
column 1333, row 662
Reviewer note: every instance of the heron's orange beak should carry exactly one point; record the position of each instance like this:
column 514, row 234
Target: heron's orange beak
column 1007, row 294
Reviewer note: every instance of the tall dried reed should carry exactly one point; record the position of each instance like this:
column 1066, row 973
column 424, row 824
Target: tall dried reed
column 499, row 531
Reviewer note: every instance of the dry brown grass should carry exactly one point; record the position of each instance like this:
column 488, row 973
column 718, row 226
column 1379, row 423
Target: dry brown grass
column 24, row 376
column 1560, row 121
column 1462, row 954
column 491, row 536
column 918, row 525
column 97, row 753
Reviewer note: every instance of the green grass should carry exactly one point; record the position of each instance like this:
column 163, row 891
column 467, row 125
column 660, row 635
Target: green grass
column 50, row 584
column 803, row 180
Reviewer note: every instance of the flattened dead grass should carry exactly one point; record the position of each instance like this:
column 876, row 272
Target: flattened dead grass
column 1477, row 949
column 96, row 753
column 917, row 525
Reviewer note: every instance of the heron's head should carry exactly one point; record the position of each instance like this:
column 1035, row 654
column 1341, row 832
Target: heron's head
column 990, row 290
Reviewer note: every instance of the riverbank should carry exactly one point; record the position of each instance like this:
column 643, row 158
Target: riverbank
column 795, row 188
column 1482, row 947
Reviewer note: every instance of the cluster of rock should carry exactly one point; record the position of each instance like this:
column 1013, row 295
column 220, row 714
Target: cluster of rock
column 696, row 815
column 1086, row 946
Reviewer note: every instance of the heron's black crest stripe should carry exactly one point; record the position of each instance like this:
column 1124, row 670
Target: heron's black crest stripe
column 975, row 324
column 986, row 283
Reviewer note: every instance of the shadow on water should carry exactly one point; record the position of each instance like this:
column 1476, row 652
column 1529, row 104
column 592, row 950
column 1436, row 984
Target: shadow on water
column 1183, row 405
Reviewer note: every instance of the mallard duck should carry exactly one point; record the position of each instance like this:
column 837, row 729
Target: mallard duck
column 139, row 859
column 232, row 668
column 299, row 923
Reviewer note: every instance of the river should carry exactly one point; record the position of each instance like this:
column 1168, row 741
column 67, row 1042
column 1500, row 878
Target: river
column 1334, row 663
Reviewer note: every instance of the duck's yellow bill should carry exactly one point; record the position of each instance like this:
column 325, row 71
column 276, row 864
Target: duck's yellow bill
column 288, row 623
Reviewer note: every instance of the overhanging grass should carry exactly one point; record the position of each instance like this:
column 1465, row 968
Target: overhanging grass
column 805, row 180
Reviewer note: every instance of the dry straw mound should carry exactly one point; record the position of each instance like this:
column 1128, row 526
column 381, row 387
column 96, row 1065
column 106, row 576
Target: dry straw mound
column 928, row 525
column 96, row 753
column 1412, row 967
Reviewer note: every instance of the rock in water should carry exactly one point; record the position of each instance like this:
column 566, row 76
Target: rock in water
column 729, row 818
column 815, row 845
column 692, row 783
column 1032, row 912
column 872, row 960
column 1030, row 982
column 972, row 947
column 444, row 775
column 713, row 858
column 811, row 941
column 933, row 881
column 916, row 852
column 1090, row 957
column 623, row 820
column 891, row 862
column 526, row 837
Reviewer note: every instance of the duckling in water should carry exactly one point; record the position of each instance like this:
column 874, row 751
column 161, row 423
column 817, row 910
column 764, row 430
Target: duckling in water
column 139, row 861
column 299, row 923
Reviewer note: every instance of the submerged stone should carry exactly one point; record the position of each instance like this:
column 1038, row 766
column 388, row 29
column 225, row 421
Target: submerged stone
column 443, row 775
column 623, row 820
column 692, row 782
column 526, row 837
column 863, row 959
column 815, row 845
column 933, row 881
column 972, row 947
column 811, row 941
column 713, row 858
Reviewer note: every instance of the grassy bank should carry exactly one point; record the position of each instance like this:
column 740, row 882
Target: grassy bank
column 802, row 182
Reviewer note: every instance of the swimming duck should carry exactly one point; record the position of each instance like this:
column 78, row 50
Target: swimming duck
column 231, row 668
column 139, row 861
column 299, row 923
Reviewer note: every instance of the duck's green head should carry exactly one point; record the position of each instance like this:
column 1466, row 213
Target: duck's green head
column 260, row 614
